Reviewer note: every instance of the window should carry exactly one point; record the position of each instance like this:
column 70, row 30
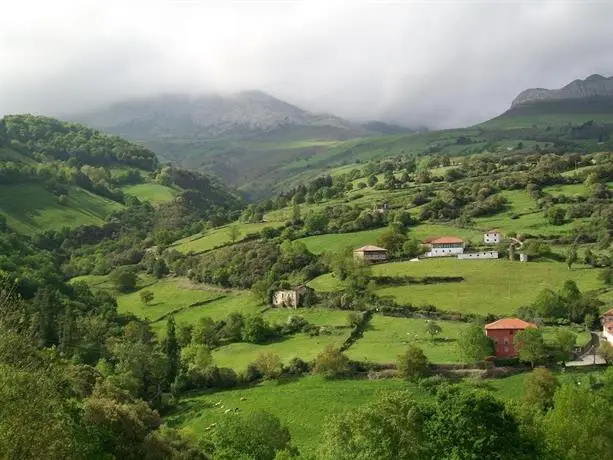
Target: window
column 506, row 349
column 506, row 341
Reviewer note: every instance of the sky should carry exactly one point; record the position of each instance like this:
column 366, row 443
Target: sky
column 418, row 63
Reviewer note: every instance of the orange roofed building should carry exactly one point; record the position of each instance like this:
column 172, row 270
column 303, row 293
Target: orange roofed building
column 444, row 246
column 502, row 332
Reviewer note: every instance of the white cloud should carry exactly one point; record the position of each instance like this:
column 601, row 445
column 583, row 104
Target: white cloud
column 436, row 63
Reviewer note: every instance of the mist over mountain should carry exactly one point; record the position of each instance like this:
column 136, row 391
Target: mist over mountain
column 241, row 115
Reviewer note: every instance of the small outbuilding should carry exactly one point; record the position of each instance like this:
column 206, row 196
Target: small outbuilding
column 291, row 298
column 370, row 254
column 492, row 237
column 502, row 332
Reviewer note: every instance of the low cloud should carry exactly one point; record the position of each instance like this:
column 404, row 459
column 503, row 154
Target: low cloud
column 440, row 64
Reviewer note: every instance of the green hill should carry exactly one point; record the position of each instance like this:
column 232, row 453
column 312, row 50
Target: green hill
column 29, row 208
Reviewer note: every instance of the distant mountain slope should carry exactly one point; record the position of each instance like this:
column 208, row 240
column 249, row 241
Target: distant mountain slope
column 239, row 137
column 594, row 86
column 576, row 103
column 243, row 115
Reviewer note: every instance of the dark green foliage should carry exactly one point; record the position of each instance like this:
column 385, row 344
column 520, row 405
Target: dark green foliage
column 47, row 137
column 413, row 364
column 124, row 279
column 472, row 424
column 172, row 350
column 256, row 435
column 474, row 345
column 331, row 363
column 530, row 346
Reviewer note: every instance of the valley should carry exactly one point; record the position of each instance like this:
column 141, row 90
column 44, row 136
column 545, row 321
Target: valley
column 304, row 270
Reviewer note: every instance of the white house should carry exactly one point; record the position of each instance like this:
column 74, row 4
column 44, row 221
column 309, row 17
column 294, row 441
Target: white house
column 492, row 237
column 607, row 326
column 445, row 246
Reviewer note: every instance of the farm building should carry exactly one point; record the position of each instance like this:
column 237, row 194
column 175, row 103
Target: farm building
column 502, row 332
column 290, row 297
column 370, row 254
column 607, row 326
column 492, row 237
column 444, row 246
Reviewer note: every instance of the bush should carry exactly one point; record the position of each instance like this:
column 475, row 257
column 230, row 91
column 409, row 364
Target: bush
column 413, row 364
column 297, row 367
column 432, row 383
column 331, row 363
column 269, row 365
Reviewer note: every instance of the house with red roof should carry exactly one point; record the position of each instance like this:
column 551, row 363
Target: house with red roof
column 445, row 246
column 607, row 326
column 502, row 333
column 370, row 254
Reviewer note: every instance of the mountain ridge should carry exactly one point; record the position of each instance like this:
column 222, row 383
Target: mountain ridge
column 593, row 86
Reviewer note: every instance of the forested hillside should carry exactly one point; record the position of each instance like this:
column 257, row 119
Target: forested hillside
column 55, row 174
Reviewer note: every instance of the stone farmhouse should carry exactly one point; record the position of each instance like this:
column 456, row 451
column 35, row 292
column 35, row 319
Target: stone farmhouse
column 492, row 237
column 607, row 326
column 370, row 254
column 291, row 298
column 502, row 332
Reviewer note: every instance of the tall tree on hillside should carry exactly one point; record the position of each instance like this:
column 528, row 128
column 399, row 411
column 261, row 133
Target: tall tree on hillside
column 474, row 345
column 571, row 257
column 234, row 233
column 172, row 349
column 531, row 346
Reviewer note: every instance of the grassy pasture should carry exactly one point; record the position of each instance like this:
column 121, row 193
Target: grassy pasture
column 210, row 239
column 302, row 405
column 303, row 346
column 490, row 286
column 170, row 294
column 154, row 193
column 336, row 242
column 316, row 316
column 386, row 337
column 567, row 189
column 30, row 208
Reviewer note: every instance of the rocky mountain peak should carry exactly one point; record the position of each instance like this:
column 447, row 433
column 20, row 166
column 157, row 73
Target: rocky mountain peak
column 593, row 86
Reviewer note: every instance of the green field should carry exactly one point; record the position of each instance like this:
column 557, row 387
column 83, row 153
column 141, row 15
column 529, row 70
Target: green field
column 239, row 355
column 154, row 193
column 339, row 241
column 179, row 295
column 303, row 405
column 170, row 294
column 30, row 208
column 210, row 239
column 386, row 337
column 490, row 286
column 316, row 316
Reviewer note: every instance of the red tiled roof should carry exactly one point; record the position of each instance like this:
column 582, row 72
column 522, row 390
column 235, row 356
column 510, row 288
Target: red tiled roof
column 447, row 240
column 429, row 239
column 608, row 313
column 369, row 248
column 509, row 323
column 494, row 230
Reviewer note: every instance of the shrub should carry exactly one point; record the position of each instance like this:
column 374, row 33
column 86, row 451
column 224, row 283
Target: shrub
column 413, row 364
column 331, row 363
column 297, row 367
column 269, row 365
